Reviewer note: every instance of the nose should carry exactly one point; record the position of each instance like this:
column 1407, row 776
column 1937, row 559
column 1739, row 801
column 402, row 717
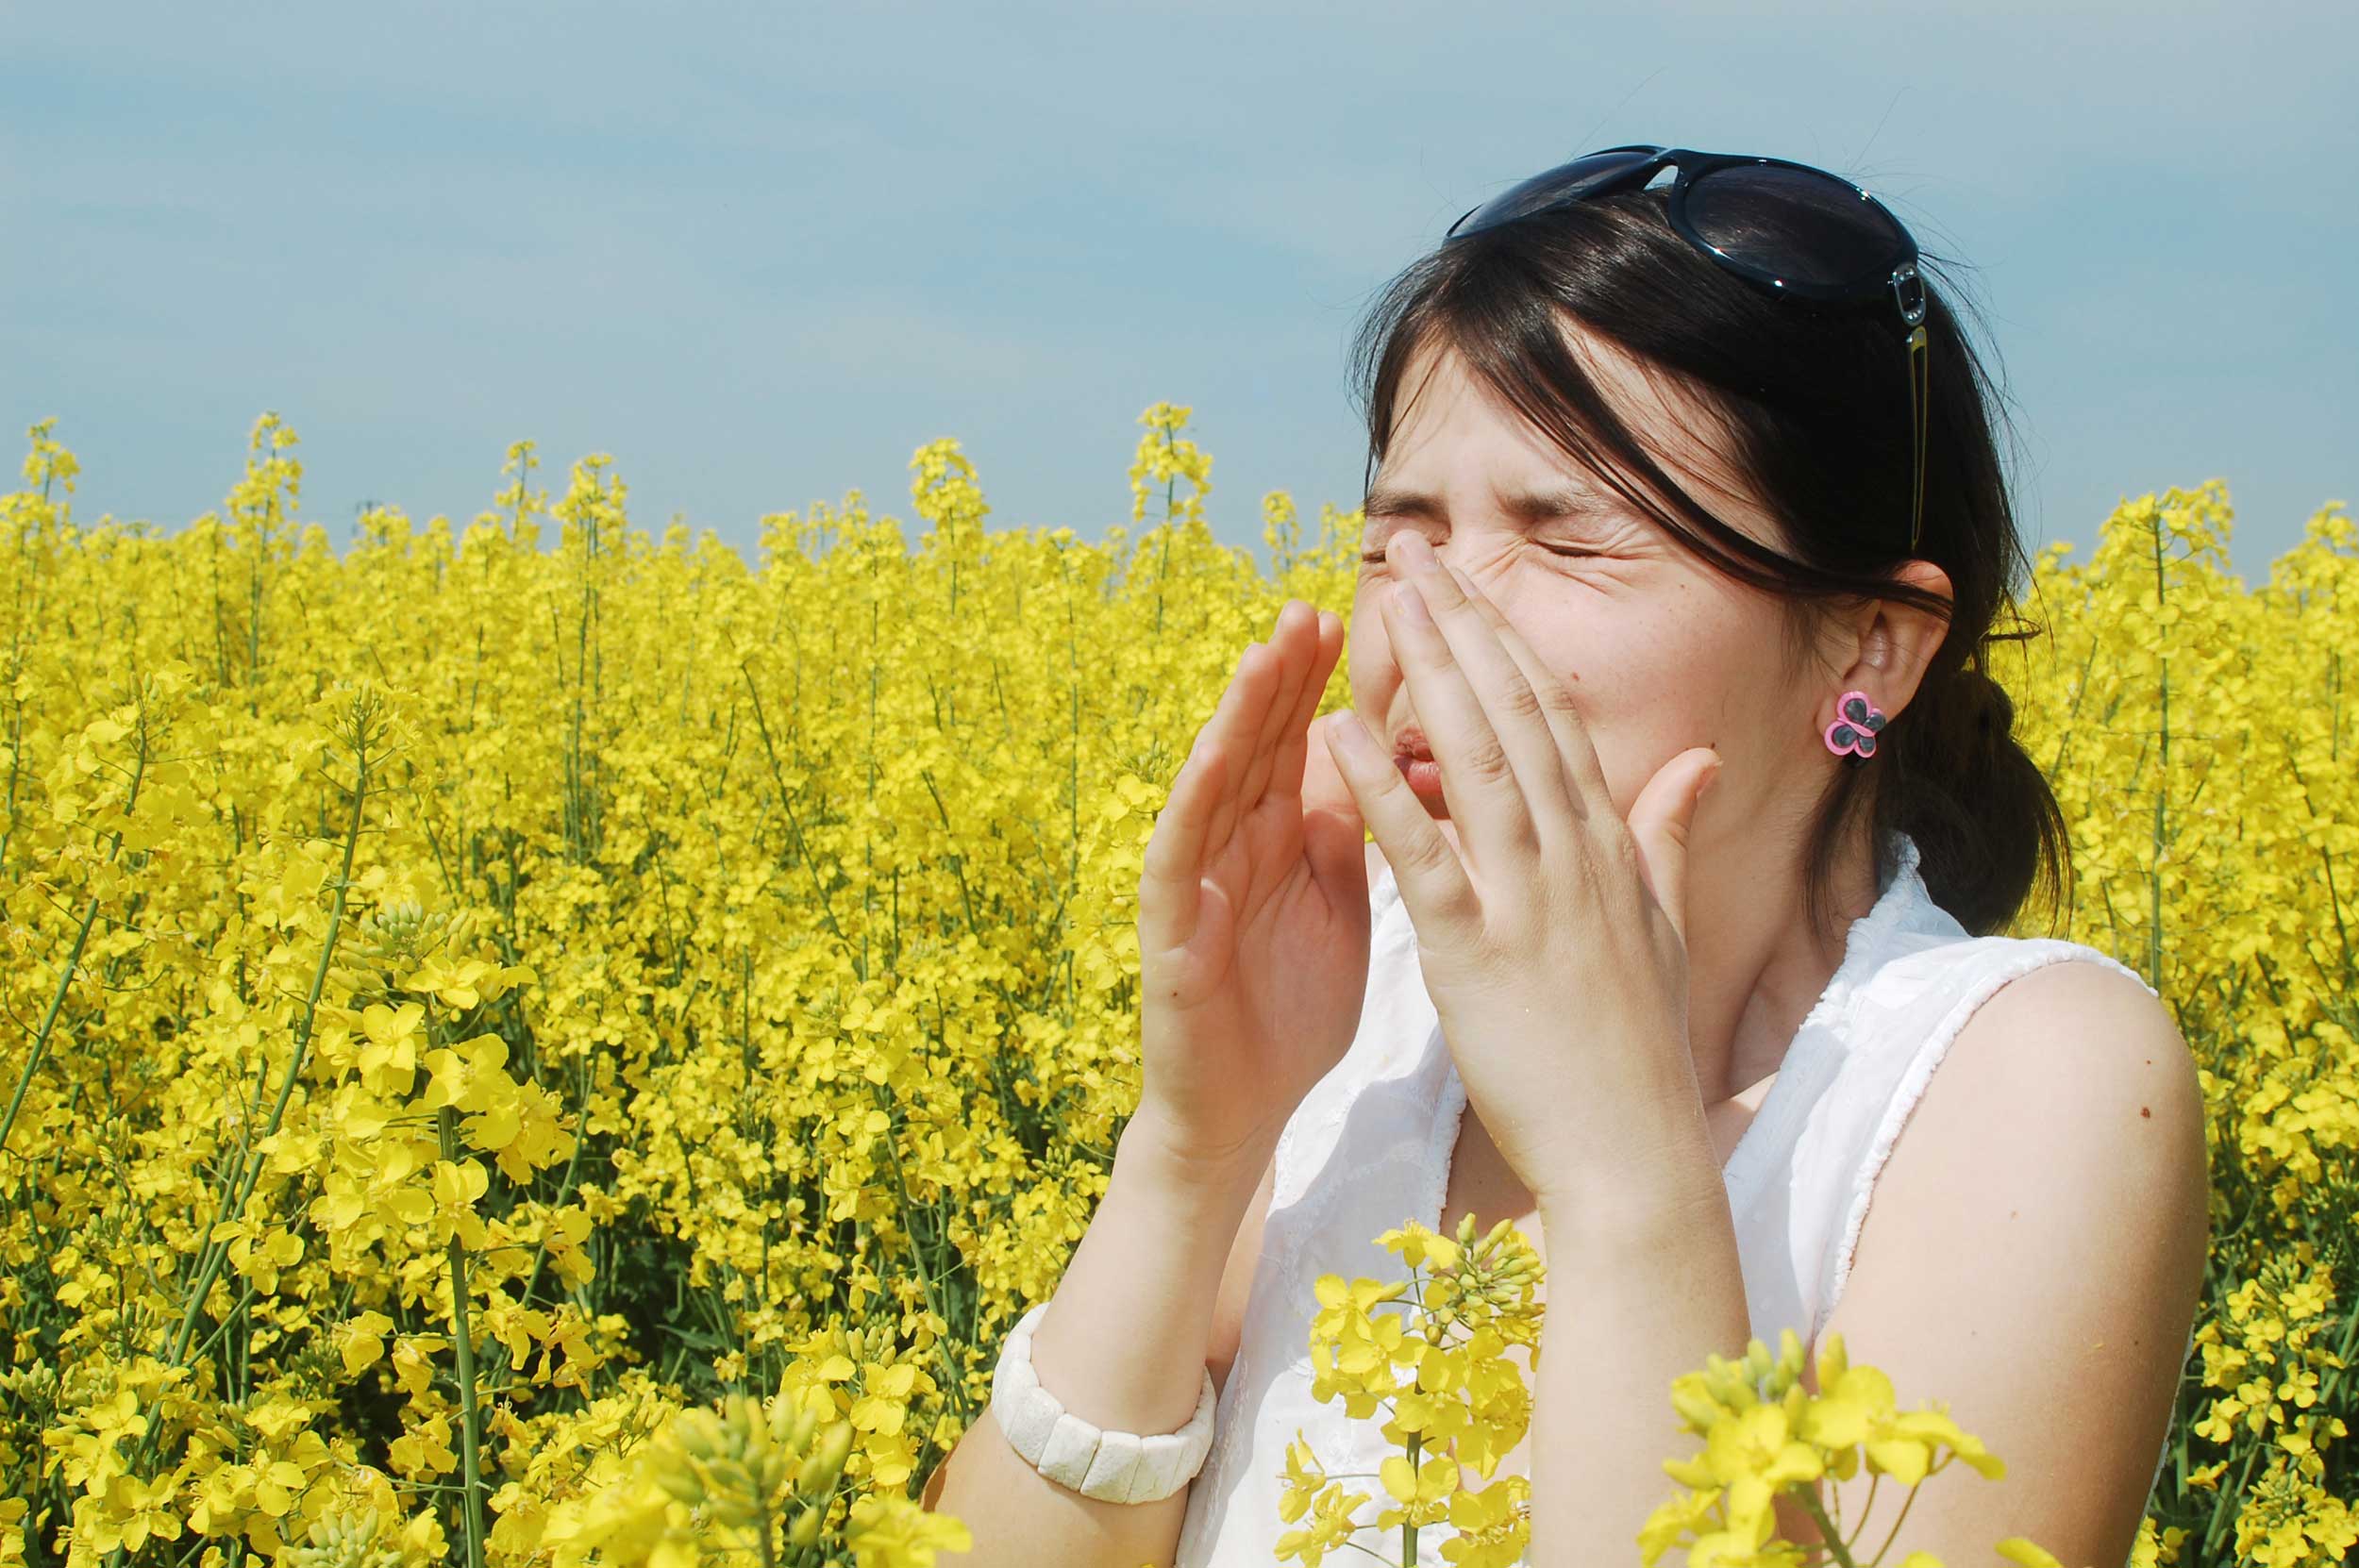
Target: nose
column 1445, row 555
column 1463, row 556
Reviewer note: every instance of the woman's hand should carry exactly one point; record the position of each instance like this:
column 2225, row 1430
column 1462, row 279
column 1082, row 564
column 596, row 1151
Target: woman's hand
column 1253, row 914
column 1553, row 938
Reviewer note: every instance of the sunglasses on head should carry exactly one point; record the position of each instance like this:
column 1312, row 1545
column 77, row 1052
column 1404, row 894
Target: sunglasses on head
column 1797, row 231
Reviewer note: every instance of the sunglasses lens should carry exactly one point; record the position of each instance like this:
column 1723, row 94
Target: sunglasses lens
column 1796, row 224
column 1555, row 186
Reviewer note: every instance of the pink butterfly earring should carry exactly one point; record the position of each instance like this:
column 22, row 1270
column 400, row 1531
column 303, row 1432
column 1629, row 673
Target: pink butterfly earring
column 1854, row 733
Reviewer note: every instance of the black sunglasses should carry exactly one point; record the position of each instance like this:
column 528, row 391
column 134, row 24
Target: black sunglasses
column 1850, row 250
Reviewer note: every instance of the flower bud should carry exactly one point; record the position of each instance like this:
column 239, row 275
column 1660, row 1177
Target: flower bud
column 1756, row 1359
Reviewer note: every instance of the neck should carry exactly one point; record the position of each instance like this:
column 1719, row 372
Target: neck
column 1754, row 969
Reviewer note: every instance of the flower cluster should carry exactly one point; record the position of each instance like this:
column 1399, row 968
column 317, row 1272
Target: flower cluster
column 1765, row 1435
column 1455, row 1404
column 1772, row 1431
column 750, row 1481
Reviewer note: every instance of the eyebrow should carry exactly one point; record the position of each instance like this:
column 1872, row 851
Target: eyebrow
column 1526, row 506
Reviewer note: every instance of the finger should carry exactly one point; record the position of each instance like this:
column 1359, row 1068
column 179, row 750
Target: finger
column 1173, row 866
column 1574, row 746
column 1231, row 729
column 1491, row 712
column 1431, row 877
column 1277, row 676
column 1286, row 774
column 1294, row 659
column 1333, row 833
column 1497, row 826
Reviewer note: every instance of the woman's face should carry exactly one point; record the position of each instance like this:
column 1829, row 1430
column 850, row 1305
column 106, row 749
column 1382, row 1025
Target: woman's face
column 1659, row 652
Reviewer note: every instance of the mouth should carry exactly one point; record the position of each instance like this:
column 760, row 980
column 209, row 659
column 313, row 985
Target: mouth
column 1413, row 757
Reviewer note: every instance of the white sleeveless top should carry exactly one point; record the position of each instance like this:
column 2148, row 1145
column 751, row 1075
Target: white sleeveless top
column 1370, row 1146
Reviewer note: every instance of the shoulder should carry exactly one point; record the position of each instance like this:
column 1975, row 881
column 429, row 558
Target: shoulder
column 2080, row 1026
column 2064, row 1044
column 2063, row 1131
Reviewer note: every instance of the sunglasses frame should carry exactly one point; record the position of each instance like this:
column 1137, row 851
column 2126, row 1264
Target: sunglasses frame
column 1906, row 286
column 1693, row 165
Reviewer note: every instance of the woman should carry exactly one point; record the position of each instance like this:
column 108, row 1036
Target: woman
column 1648, row 507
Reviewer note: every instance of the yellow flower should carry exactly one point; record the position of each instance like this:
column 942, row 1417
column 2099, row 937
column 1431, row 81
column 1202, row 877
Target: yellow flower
column 1419, row 1247
column 1424, row 1490
column 1303, row 1480
column 1331, row 1525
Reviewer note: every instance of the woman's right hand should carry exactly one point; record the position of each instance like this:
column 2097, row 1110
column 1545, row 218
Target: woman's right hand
column 1253, row 913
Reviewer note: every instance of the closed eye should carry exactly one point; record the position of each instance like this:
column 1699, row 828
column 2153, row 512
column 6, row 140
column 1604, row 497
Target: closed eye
column 1375, row 557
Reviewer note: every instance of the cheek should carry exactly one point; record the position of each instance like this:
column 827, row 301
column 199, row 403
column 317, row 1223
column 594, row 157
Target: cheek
column 1367, row 652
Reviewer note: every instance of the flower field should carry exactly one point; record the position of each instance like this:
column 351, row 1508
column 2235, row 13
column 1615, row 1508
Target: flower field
column 514, row 1028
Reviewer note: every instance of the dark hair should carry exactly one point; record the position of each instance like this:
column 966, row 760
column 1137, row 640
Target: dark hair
column 1813, row 405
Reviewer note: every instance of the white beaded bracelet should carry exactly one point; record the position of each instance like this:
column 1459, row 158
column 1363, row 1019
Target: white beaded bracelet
column 1110, row 1467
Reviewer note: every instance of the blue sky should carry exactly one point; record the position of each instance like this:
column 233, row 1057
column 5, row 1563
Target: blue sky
column 763, row 252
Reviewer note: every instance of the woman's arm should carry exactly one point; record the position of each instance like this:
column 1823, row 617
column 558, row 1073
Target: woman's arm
column 1152, row 1296
column 2035, row 1257
column 1253, row 963
column 1644, row 1283
column 2032, row 1259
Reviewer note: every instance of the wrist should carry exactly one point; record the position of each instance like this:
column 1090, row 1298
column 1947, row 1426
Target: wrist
column 1155, row 1152
column 1630, row 1197
column 1123, row 1340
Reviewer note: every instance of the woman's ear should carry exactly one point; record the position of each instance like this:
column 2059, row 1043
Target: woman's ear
column 1897, row 641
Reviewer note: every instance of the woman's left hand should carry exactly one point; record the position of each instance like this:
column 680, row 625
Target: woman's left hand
column 1553, row 938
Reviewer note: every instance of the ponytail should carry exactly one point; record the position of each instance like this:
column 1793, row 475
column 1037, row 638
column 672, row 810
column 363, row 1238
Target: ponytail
column 1986, row 822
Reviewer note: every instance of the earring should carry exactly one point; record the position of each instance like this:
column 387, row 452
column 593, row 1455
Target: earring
column 1854, row 734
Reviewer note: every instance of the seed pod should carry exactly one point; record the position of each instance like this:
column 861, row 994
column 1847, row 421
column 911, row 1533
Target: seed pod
column 770, row 1469
column 819, row 1471
column 678, row 1476
column 793, row 1426
column 731, row 1493
column 697, row 1433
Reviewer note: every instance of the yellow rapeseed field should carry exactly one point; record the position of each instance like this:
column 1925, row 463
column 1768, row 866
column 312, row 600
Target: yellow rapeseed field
column 539, row 1044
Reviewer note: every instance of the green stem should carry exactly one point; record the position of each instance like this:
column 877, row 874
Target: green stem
column 778, row 778
column 73, row 960
column 1409, row 1525
column 956, row 1378
column 471, row 1464
column 1827, row 1531
column 2227, row 1494
column 215, row 1254
column 49, row 1020
column 234, row 1207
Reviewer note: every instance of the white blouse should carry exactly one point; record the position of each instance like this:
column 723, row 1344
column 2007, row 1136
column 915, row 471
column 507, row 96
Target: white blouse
column 1370, row 1146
